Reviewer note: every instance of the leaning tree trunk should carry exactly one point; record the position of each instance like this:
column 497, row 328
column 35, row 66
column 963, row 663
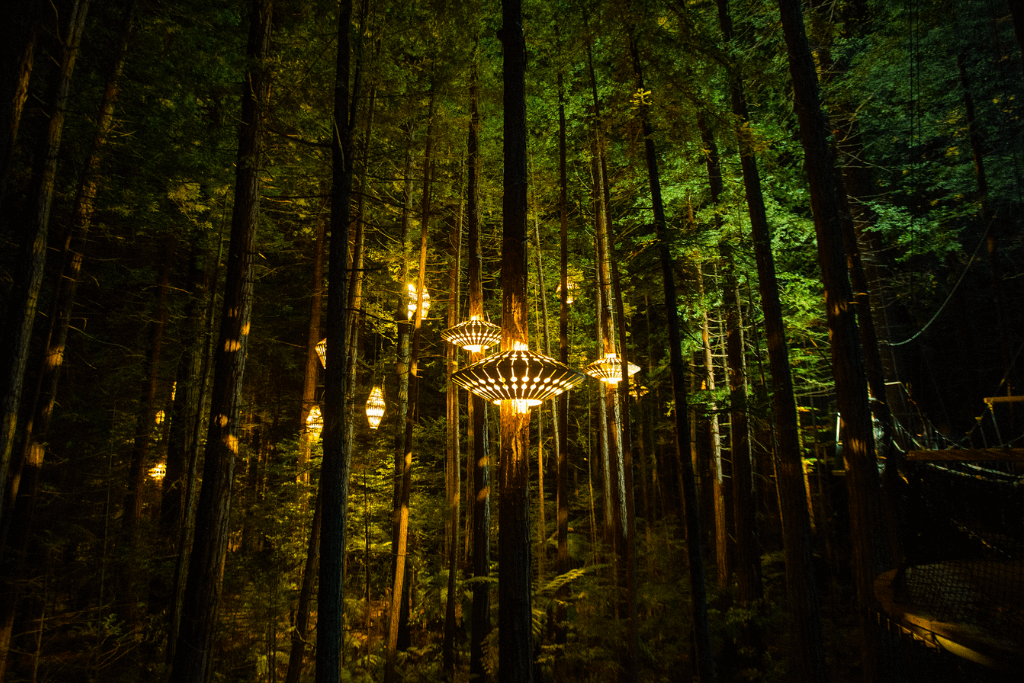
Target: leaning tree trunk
column 847, row 366
column 17, row 52
column 800, row 580
column 206, row 565
column 698, row 591
column 334, row 472
column 28, row 278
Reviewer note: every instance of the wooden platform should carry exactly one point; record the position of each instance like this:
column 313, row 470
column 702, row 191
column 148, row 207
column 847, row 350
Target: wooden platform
column 977, row 638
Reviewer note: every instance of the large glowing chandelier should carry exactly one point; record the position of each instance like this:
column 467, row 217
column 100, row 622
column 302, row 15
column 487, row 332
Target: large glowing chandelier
column 473, row 335
column 375, row 407
column 519, row 375
column 609, row 369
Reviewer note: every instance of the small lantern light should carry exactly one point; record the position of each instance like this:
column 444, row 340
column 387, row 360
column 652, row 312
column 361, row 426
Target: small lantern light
column 158, row 471
column 413, row 297
column 160, row 415
column 375, row 407
column 314, row 424
column 520, row 375
column 571, row 286
column 609, row 369
column 473, row 335
column 638, row 391
column 321, row 350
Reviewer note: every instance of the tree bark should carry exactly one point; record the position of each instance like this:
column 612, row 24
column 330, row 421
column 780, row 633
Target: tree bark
column 334, row 472
column 17, row 52
column 206, row 564
column 515, row 616
column 309, row 374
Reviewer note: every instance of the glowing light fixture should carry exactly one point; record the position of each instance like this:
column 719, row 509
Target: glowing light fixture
column 375, row 407
column 321, row 350
column 158, row 471
column 520, row 375
column 572, row 287
column 609, row 369
column 638, row 391
column 160, row 415
column 413, row 297
column 314, row 424
column 473, row 335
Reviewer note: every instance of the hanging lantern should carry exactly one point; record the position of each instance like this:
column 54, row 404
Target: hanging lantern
column 314, row 424
column 375, row 407
column 520, row 375
column 413, row 297
column 158, row 471
column 609, row 369
column 638, row 391
column 473, row 335
column 321, row 350
column 160, row 417
column 571, row 286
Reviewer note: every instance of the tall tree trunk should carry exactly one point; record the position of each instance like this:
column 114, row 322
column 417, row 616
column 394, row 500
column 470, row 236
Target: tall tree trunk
column 800, row 579
column 202, row 380
column 698, row 591
column 847, row 366
column 515, row 617
column 453, row 450
column 300, row 633
column 334, row 472
column 399, row 589
column 477, row 417
column 206, row 564
column 562, row 402
column 24, row 296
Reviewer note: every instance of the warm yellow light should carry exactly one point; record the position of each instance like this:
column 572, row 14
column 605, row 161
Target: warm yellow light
column 411, row 306
column 314, row 424
column 321, row 350
column 609, row 369
column 571, row 287
column 375, row 407
column 158, row 471
column 474, row 335
column 160, row 417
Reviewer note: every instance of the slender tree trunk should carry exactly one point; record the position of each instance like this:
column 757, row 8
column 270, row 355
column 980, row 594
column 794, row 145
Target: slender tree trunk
column 477, row 418
column 562, row 402
column 187, row 530
column 24, row 296
column 334, row 472
column 398, row 594
column 300, row 633
column 309, row 374
column 17, row 52
column 453, row 450
column 847, row 365
column 515, row 617
column 206, row 564
column 698, row 591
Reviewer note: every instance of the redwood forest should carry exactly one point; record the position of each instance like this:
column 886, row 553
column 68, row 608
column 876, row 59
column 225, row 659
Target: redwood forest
column 511, row 341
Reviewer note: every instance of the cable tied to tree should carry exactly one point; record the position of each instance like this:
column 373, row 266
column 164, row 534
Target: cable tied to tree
column 949, row 297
